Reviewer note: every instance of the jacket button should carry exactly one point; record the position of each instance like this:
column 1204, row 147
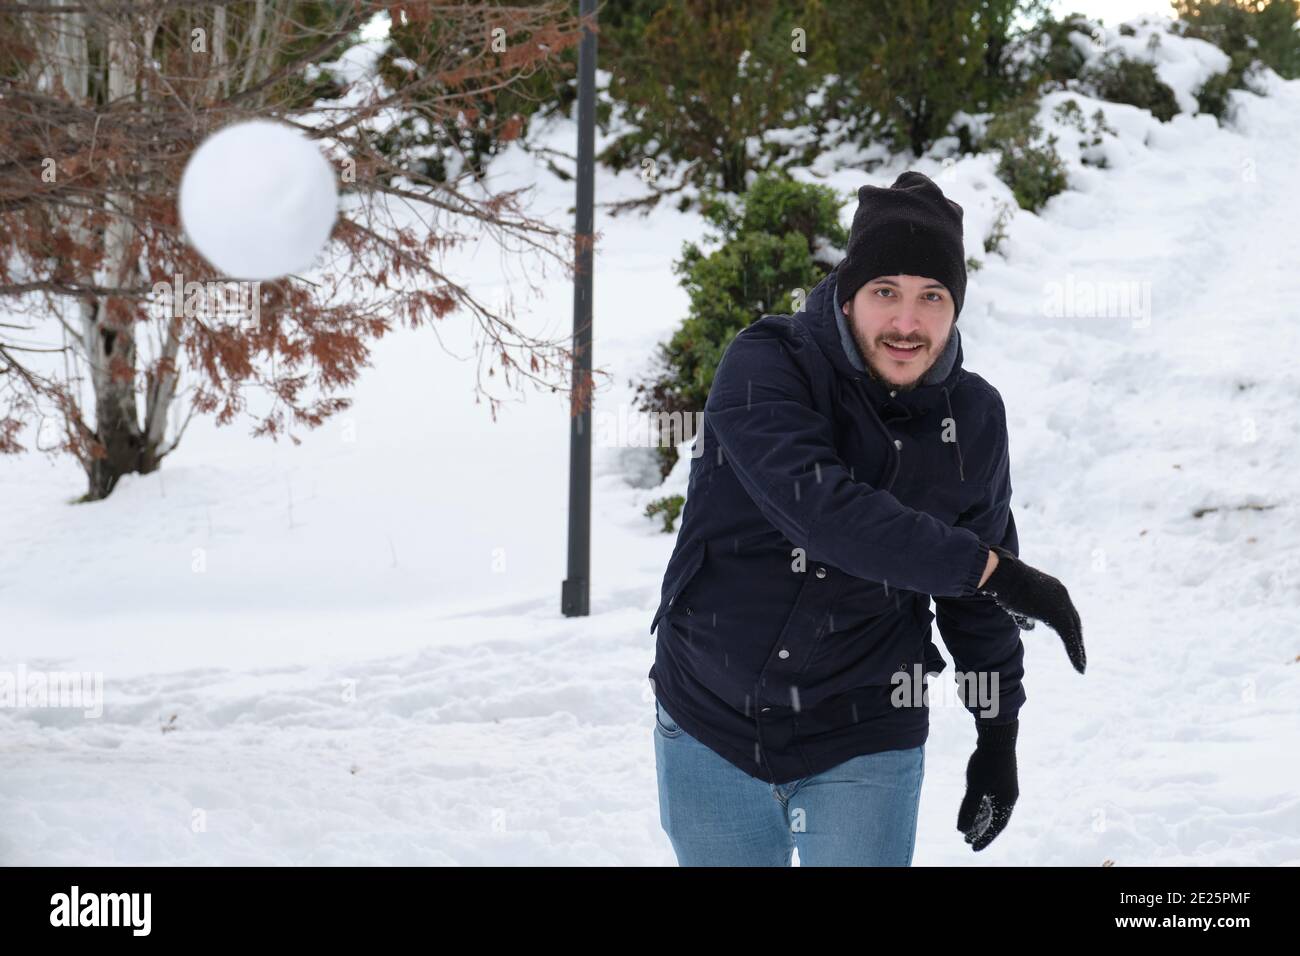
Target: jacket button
column 821, row 572
column 783, row 653
column 898, row 443
column 766, row 709
column 892, row 394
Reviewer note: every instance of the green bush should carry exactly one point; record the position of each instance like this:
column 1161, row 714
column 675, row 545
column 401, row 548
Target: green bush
column 1050, row 60
column 698, row 79
column 1090, row 140
column 1274, row 29
column 770, row 239
column 1250, row 37
column 1121, row 80
column 1034, row 173
column 1213, row 96
column 671, row 509
column 1248, row 34
column 993, row 241
column 1029, row 165
column 910, row 67
column 701, row 82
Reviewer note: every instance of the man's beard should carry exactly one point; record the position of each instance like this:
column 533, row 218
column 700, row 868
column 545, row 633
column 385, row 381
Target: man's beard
column 871, row 369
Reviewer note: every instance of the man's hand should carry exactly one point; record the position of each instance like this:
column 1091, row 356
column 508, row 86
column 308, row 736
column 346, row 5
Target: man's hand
column 1025, row 592
column 991, row 785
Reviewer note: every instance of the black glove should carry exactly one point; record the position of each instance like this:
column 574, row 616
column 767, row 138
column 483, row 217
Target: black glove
column 1022, row 622
column 991, row 785
column 1025, row 592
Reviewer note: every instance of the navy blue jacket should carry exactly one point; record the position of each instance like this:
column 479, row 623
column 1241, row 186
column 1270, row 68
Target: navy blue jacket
column 823, row 512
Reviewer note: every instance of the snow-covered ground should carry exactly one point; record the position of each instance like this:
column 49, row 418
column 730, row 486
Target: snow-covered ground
column 351, row 651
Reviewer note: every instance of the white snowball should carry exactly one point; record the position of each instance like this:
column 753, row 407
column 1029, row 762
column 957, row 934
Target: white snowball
column 258, row 200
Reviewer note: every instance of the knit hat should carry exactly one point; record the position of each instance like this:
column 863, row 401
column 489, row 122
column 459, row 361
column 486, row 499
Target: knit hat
column 911, row 228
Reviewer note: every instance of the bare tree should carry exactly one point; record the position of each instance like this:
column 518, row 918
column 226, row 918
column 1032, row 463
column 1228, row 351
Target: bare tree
column 101, row 104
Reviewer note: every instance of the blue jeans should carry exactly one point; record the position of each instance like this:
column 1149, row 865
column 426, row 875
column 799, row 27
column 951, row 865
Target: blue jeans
column 859, row 813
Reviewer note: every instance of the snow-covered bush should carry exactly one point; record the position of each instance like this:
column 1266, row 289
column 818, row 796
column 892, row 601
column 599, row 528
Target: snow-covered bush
column 777, row 239
column 1029, row 163
column 1119, row 79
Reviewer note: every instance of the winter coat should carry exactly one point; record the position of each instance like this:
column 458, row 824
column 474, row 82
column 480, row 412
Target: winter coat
column 824, row 509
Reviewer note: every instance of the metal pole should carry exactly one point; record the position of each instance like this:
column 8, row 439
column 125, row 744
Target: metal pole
column 575, row 591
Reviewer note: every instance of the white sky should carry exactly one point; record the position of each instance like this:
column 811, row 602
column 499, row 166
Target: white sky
column 1111, row 12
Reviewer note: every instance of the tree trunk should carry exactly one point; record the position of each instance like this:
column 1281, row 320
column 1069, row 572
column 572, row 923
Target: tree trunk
column 109, row 337
column 126, row 447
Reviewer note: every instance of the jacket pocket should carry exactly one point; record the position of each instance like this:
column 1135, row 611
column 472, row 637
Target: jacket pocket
column 682, row 580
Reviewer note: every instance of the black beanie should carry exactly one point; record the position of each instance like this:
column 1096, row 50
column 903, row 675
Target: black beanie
column 911, row 228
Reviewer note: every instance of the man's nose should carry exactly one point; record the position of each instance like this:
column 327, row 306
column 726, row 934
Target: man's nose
column 905, row 321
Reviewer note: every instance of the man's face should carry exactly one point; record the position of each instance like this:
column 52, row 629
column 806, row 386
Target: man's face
column 901, row 324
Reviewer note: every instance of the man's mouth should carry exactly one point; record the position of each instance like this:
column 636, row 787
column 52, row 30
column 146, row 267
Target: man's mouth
column 901, row 349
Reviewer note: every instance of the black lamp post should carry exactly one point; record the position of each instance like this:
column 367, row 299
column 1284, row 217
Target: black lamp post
column 575, row 592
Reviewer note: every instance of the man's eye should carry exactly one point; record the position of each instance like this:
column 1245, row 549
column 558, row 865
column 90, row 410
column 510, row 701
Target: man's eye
column 890, row 291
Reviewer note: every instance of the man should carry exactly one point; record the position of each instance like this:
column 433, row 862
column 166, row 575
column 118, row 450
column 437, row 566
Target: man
column 850, row 470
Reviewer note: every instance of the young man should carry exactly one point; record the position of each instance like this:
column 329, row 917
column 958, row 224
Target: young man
column 850, row 470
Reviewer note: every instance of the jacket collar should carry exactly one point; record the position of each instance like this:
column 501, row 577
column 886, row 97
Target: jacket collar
column 830, row 330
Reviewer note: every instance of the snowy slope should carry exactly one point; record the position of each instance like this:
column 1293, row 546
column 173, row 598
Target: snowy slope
column 372, row 667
